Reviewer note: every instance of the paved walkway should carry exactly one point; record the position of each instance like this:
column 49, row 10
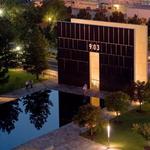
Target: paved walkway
column 65, row 138
column 49, row 84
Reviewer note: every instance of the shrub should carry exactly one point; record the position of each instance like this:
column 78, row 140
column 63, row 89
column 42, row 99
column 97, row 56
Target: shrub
column 143, row 129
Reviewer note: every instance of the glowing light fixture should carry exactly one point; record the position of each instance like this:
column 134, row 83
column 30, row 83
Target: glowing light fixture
column 108, row 135
column 1, row 12
column 18, row 48
column 49, row 19
column 116, row 6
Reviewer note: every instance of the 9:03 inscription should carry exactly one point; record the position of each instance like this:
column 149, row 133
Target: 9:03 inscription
column 94, row 47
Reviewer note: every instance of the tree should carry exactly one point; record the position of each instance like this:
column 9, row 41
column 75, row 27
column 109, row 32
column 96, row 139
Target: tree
column 13, row 8
column 88, row 116
column 100, row 16
column 3, row 75
column 130, row 90
column 30, row 17
column 50, row 33
column 54, row 9
column 6, row 37
column 38, row 106
column 36, row 49
column 117, row 101
column 139, row 91
column 117, row 17
column 134, row 20
column 143, row 129
column 9, row 113
column 69, row 14
column 146, row 96
column 83, row 14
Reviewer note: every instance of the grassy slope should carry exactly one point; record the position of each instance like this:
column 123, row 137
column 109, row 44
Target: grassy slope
column 17, row 80
column 122, row 135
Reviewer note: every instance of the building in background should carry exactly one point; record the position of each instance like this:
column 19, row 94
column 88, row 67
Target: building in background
column 82, row 4
column 140, row 11
column 103, row 55
column 141, row 8
column 94, row 4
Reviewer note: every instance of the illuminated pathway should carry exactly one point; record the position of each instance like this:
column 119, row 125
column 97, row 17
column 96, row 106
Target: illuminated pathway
column 65, row 138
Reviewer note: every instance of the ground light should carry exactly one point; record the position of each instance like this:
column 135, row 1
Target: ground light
column 108, row 136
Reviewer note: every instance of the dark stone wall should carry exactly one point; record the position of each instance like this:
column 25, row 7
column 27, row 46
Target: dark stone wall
column 115, row 46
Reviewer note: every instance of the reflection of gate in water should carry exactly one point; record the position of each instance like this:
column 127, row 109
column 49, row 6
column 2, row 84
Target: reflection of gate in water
column 95, row 101
column 98, row 102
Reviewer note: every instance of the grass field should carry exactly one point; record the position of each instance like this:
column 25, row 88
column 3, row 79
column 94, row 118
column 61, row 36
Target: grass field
column 122, row 135
column 17, row 79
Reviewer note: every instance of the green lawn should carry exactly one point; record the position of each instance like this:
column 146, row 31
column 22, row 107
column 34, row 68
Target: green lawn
column 17, row 79
column 122, row 135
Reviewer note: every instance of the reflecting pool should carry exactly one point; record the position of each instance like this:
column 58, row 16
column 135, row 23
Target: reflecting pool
column 35, row 115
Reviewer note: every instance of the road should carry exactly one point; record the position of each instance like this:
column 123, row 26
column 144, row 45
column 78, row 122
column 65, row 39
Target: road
column 52, row 62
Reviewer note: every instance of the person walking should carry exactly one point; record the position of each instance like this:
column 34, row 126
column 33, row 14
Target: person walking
column 27, row 84
column 31, row 83
column 85, row 89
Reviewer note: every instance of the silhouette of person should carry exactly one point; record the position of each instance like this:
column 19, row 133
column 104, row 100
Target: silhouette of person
column 84, row 89
column 27, row 84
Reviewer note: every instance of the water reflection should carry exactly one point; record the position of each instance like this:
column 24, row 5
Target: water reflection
column 38, row 106
column 69, row 105
column 38, row 117
column 9, row 113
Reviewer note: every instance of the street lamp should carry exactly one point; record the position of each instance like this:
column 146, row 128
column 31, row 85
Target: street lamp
column 1, row 12
column 108, row 135
column 49, row 19
column 116, row 6
column 50, row 24
column 18, row 48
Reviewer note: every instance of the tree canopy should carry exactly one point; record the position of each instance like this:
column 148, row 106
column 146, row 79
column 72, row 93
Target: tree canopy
column 134, row 20
column 117, row 101
column 6, row 38
column 100, row 16
column 117, row 17
column 55, row 9
column 36, row 47
column 83, row 14
column 88, row 116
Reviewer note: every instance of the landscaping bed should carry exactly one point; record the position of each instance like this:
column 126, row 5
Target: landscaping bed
column 122, row 134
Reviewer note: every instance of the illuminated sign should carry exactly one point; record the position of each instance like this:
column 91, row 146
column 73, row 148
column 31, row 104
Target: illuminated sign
column 94, row 47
